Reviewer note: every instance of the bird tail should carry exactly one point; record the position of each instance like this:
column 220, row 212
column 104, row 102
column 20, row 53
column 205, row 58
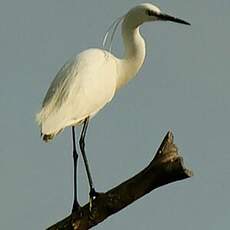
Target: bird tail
column 39, row 119
column 47, row 137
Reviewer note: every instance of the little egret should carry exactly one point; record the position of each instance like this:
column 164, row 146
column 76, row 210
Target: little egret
column 88, row 81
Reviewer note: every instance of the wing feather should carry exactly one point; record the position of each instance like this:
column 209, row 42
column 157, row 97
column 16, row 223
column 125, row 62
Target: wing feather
column 59, row 89
column 60, row 86
column 80, row 89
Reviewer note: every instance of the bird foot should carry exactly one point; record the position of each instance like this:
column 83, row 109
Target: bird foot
column 92, row 196
column 76, row 209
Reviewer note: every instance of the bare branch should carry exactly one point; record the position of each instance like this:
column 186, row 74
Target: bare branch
column 166, row 167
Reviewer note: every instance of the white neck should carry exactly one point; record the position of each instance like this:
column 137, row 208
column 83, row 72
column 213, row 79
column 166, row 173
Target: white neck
column 134, row 54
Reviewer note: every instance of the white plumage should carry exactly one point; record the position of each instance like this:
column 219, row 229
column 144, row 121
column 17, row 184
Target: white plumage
column 75, row 94
column 88, row 81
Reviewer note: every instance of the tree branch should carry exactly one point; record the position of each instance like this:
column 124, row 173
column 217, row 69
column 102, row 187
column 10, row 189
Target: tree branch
column 166, row 167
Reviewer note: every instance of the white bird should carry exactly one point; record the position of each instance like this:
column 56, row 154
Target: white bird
column 88, row 81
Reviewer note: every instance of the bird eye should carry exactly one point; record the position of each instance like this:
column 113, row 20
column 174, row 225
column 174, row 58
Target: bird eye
column 149, row 12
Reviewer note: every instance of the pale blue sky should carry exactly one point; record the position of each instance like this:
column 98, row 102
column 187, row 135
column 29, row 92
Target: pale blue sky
column 183, row 86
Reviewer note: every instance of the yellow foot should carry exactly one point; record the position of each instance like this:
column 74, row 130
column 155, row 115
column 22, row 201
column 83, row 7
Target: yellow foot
column 92, row 196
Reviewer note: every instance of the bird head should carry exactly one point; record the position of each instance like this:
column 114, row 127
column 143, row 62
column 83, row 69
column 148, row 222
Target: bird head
column 148, row 12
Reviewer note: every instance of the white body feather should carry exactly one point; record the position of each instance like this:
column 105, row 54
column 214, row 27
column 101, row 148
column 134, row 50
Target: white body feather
column 88, row 81
column 80, row 89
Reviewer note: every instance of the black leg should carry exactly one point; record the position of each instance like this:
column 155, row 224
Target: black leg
column 76, row 206
column 92, row 193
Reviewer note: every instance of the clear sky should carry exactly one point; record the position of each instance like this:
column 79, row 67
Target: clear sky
column 183, row 86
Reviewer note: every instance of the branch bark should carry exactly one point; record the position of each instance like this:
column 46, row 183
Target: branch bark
column 166, row 167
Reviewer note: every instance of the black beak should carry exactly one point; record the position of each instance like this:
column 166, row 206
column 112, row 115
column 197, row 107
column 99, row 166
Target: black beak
column 166, row 17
